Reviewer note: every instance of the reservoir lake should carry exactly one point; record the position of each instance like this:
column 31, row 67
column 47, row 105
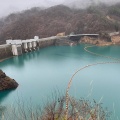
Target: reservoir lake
column 41, row 72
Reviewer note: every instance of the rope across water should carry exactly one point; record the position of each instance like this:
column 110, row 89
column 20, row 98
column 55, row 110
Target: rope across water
column 109, row 57
column 94, row 64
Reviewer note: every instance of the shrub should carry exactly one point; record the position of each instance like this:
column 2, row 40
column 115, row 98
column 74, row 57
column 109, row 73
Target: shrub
column 114, row 11
column 78, row 109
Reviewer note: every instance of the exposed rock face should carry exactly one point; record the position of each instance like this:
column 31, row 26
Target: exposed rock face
column 94, row 41
column 116, row 39
column 6, row 82
column 88, row 40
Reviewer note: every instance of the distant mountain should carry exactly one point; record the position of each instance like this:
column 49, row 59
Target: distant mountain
column 56, row 19
column 86, row 3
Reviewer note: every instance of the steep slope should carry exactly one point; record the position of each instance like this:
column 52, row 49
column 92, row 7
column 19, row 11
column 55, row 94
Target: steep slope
column 49, row 22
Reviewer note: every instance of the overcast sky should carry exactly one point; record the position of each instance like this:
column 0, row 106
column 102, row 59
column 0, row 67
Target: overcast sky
column 9, row 6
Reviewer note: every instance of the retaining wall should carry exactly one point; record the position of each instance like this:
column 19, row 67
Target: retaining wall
column 5, row 51
column 46, row 42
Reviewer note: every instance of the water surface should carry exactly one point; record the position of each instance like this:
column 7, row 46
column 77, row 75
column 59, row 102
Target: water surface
column 41, row 72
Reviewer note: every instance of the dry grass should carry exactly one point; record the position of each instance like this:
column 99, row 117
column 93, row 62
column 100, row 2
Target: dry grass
column 78, row 110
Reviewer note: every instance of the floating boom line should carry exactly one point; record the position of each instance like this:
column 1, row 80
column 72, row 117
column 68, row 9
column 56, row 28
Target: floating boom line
column 89, row 65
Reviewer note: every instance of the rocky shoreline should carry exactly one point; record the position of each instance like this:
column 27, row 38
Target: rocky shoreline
column 105, row 40
column 6, row 82
column 99, row 41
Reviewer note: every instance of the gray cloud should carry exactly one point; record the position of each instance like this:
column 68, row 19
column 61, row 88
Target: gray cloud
column 9, row 6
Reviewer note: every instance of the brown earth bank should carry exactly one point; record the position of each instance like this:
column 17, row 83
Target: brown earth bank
column 115, row 40
column 6, row 82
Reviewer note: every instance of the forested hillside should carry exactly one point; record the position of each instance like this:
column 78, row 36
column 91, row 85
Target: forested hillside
column 53, row 20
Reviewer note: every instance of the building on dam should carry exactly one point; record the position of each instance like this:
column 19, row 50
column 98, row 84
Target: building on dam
column 20, row 46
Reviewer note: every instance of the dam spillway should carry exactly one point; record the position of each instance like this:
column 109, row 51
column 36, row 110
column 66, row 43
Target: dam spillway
column 18, row 47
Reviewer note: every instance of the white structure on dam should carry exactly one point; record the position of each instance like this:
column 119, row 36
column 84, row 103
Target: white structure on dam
column 16, row 49
column 20, row 46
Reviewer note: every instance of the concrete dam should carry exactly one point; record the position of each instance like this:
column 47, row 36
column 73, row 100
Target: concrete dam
column 18, row 47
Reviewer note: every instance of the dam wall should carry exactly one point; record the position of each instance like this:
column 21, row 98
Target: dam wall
column 45, row 42
column 12, row 47
column 5, row 51
column 18, row 47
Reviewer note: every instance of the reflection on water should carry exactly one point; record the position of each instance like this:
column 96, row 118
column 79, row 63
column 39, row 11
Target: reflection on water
column 18, row 61
column 106, row 50
column 2, row 110
column 13, row 61
column 4, row 95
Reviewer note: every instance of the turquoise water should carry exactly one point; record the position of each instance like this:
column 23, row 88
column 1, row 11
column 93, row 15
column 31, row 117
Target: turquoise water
column 41, row 72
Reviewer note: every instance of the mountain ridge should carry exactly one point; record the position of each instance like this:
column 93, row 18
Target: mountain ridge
column 59, row 18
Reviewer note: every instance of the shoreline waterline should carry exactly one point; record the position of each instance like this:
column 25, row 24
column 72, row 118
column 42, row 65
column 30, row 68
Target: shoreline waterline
column 1, row 60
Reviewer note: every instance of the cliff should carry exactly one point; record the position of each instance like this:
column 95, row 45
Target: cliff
column 6, row 82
